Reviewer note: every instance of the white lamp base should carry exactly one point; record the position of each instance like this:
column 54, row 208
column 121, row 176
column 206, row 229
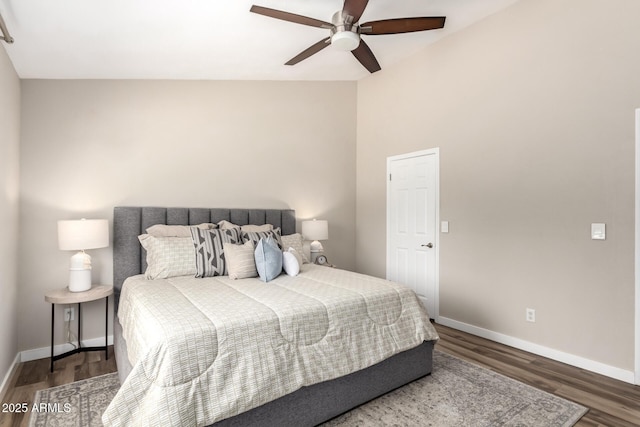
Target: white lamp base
column 80, row 272
column 315, row 248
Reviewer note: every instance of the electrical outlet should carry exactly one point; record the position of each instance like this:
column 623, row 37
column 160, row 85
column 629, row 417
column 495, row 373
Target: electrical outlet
column 69, row 314
column 530, row 315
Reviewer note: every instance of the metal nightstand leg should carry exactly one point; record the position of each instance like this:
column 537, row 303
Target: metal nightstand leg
column 106, row 329
column 79, row 326
column 52, row 323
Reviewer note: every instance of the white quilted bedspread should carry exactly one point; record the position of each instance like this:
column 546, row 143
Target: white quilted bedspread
column 204, row 350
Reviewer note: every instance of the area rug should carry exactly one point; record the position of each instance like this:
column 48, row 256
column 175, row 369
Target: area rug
column 457, row 393
column 77, row 404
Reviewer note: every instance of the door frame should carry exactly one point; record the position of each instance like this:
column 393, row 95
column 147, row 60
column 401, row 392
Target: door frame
column 637, row 249
column 435, row 152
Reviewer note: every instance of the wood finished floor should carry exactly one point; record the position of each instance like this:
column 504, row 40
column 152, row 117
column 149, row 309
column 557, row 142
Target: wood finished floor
column 30, row 377
column 611, row 403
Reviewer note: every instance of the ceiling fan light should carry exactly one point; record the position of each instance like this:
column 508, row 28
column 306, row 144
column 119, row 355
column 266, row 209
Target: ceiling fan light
column 345, row 40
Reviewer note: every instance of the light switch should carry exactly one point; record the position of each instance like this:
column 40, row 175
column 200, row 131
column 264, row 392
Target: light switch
column 444, row 226
column 598, row 231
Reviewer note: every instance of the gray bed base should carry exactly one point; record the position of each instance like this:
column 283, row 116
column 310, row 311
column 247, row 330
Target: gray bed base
column 308, row 406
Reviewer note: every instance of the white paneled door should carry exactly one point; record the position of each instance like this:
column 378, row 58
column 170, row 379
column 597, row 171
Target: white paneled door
column 412, row 218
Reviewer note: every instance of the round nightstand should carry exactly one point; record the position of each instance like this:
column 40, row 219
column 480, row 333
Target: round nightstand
column 65, row 296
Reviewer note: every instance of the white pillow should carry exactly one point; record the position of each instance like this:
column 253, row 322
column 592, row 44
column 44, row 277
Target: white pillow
column 290, row 262
column 240, row 260
column 163, row 230
column 295, row 241
column 225, row 225
column 297, row 254
column 257, row 228
column 168, row 256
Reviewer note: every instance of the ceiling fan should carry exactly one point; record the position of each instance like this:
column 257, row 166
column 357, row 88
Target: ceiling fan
column 345, row 30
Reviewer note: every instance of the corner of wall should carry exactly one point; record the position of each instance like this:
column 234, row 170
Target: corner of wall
column 9, row 207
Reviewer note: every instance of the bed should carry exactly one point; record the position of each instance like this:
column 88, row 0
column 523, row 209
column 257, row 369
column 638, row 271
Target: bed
column 392, row 357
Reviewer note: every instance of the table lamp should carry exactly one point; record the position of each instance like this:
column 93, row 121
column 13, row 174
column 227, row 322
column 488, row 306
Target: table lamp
column 315, row 230
column 79, row 235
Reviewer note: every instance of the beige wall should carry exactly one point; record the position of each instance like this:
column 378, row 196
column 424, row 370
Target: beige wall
column 88, row 146
column 9, row 170
column 533, row 111
column 535, row 126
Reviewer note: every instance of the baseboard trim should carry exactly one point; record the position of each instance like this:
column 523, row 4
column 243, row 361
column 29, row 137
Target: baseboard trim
column 560, row 356
column 45, row 352
column 7, row 378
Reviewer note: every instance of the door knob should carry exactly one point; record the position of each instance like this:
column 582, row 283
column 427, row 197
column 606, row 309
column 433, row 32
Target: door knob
column 428, row 245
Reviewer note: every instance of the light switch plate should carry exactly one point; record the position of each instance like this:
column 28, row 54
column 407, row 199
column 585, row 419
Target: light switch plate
column 444, row 226
column 598, row 231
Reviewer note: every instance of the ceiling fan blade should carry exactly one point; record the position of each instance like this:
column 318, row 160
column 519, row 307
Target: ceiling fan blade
column 309, row 51
column 366, row 57
column 402, row 25
column 290, row 17
column 354, row 8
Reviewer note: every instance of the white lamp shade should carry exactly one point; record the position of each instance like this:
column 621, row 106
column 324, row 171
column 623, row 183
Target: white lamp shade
column 83, row 234
column 315, row 230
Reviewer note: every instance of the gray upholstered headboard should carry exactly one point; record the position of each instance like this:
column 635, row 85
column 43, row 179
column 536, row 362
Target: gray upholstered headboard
column 131, row 221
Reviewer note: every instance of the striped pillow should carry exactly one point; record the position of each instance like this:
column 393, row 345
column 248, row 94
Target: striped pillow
column 210, row 259
column 240, row 260
column 255, row 236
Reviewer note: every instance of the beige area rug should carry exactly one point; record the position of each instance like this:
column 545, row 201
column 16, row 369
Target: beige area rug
column 457, row 393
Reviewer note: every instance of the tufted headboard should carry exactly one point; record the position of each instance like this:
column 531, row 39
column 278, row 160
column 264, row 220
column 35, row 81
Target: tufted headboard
column 130, row 221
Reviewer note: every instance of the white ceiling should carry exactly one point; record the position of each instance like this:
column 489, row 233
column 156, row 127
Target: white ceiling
column 207, row 39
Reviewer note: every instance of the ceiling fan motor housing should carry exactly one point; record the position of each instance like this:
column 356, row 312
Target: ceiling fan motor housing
column 345, row 35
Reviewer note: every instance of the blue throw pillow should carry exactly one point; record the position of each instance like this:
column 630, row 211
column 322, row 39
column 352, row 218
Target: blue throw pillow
column 268, row 259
